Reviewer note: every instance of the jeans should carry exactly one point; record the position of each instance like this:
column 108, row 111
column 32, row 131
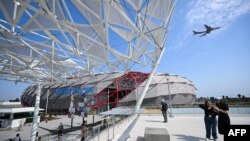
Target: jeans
column 210, row 124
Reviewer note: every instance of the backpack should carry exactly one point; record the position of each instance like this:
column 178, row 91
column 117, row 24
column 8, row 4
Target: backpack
column 164, row 106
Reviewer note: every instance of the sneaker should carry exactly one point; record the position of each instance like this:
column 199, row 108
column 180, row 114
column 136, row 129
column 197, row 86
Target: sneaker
column 207, row 139
column 215, row 139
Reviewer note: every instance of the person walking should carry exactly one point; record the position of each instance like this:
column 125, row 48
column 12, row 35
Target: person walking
column 37, row 136
column 84, row 132
column 17, row 138
column 60, row 129
column 164, row 108
column 210, row 120
column 59, row 138
column 223, row 119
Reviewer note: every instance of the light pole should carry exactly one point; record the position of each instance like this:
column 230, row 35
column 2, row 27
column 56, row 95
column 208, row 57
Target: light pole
column 108, row 114
column 72, row 109
column 47, row 101
column 82, row 106
column 108, row 99
column 93, row 105
column 170, row 101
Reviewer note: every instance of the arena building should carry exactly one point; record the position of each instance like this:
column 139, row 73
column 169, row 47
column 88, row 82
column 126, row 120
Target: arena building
column 111, row 89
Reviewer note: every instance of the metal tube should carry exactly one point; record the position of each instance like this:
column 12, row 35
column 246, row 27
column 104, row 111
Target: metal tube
column 108, row 125
column 36, row 116
column 108, row 129
column 67, row 10
column 108, row 99
column 108, row 115
column 138, row 104
column 47, row 101
column 99, row 132
column 113, row 126
column 14, row 17
column 72, row 118
column 170, row 101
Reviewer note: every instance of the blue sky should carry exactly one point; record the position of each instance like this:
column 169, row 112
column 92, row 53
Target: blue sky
column 218, row 64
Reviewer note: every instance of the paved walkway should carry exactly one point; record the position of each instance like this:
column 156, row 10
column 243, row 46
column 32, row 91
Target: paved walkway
column 182, row 127
column 45, row 129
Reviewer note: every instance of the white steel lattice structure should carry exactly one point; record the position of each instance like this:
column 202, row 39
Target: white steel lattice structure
column 50, row 40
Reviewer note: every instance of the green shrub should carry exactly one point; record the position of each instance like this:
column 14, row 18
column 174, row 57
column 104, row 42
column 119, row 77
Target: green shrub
column 29, row 120
column 50, row 115
column 42, row 116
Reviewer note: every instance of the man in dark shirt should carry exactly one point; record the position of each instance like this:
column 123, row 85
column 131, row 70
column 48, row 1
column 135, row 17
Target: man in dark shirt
column 223, row 119
column 60, row 127
column 164, row 108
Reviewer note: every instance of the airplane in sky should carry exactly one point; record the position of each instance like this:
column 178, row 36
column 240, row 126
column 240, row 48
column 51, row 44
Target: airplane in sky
column 207, row 31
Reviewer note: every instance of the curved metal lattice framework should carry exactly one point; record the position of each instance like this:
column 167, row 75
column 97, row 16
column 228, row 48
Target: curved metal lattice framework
column 50, row 40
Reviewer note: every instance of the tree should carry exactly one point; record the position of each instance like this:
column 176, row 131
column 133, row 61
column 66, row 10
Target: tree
column 212, row 99
column 239, row 95
column 16, row 100
column 243, row 98
column 223, row 97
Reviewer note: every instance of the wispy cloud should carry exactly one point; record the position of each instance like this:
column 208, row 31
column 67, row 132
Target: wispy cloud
column 216, row 12
column 212, row 12
column 182, row 40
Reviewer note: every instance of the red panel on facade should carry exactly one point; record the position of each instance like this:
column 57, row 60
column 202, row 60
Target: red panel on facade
column 121, row 87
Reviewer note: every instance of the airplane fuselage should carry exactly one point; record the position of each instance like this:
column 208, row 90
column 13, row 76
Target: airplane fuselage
column 207, row 31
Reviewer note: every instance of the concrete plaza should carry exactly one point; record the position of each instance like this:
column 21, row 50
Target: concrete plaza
column 188, row 127
column 182, row 127
column 48, row 128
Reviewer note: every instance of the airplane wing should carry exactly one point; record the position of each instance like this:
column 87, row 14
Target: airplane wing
column 198, row 32
column 217, row 27
column 203, row 34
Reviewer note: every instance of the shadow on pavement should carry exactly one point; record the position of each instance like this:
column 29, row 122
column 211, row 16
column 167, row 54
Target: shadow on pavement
column 140, row 138
column 67, row 130
column 153, row 121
